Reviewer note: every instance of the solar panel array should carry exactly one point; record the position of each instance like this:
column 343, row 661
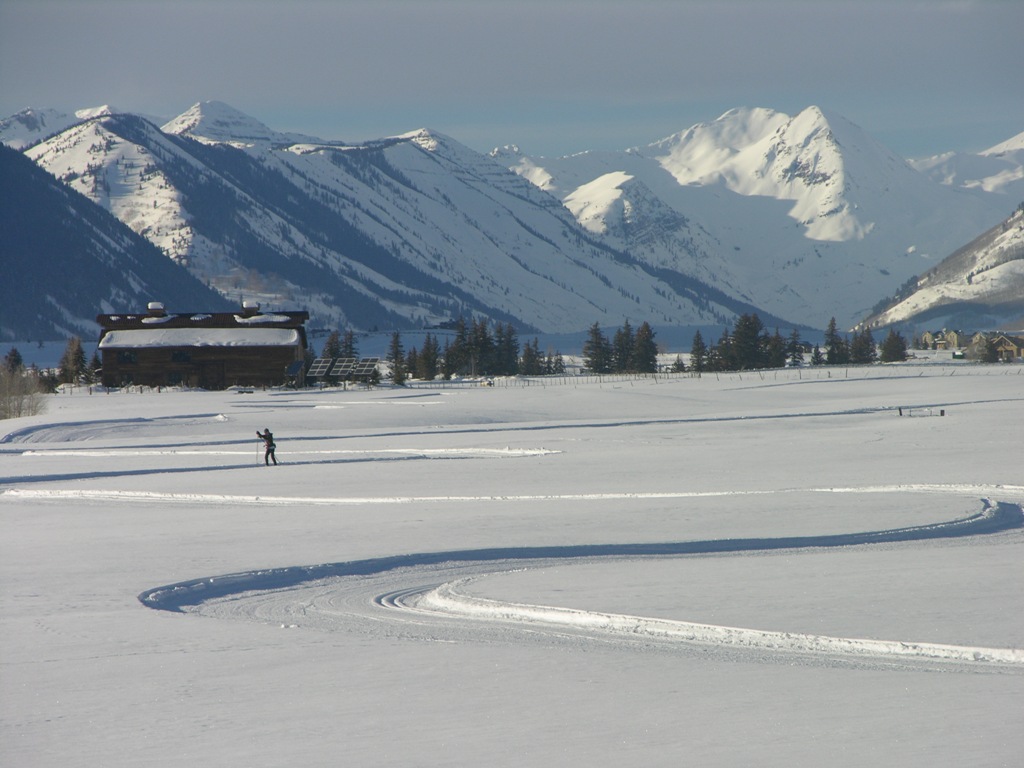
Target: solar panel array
column 343, row 368
column 319, row 367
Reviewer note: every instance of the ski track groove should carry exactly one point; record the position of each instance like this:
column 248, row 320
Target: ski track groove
column 420, row 597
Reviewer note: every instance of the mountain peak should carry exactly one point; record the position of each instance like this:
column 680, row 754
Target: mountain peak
column 30, row 125
column 92, row 112
column 1010, row 145
column 219, row 122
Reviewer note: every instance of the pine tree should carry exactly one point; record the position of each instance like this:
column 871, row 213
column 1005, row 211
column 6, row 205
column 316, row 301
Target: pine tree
column 530, row 364
column 13, row 361
column 506, row 350
column 72, row 362
column 348, row 347
column 481, row 349
column 862, row 349
column 622, row 349
column 396, row 356
column 428, row 359
column 554, row 364
column 749, row 343
column 776, row 351
column 720, row 356
column 645, row 351
column 332, row 347
column 894, row 348
column 794, row 349
column 597, row 351
column 698, row 353
column 412, row 361
column 837, row 351
column 817, row 358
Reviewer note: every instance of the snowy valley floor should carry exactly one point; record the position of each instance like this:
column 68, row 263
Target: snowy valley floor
column 773, row 570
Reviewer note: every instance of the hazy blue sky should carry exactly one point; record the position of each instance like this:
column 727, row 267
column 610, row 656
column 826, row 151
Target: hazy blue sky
column 553, row 76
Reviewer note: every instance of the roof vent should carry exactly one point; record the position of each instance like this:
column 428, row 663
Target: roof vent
column 156, row 309
column 250, row 308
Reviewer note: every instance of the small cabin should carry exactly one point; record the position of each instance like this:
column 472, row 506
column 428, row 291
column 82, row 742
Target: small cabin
column 205, row 350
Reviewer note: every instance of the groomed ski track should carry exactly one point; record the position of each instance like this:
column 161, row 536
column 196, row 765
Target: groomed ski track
column 424, row 595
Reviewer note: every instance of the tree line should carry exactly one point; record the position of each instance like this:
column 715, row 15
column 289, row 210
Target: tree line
column 474, row 349
column 749, row 346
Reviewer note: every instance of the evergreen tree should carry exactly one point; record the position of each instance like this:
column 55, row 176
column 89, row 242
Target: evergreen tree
column 92, row 371
column 348, row 347
column 456, row 351
column 749, row 343
column 412, row 362
column 622, row 349
column 678, row 366
column 794, row 349
column 72, row 362
column 427, row 364
column 698, row 353
column 597, row 351
column 645, row 351
column 506, row 342
column 894, row 348
column 817, row 358
column 837, row 351
column 448, row 357
column 481, row 349
column 862, row 349
column 776, row 351
column 720, row 356
column 530, row 364
column 332, row 347
column 396, row 356
column 554, row 364
column 990, row 352
column 13, row 361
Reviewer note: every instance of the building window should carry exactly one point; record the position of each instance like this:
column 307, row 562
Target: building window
column 126, row 356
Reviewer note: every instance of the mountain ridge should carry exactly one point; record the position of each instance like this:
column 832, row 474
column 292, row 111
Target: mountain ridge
column 411, row 230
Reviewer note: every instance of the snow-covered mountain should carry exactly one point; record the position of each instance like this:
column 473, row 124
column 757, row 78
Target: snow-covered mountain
column 215, row 122
column 410, row 230
column 65, row 260
column 999, row 169
column 979, row 286
column 806, row 216
column 30, row 125
column 797, row 218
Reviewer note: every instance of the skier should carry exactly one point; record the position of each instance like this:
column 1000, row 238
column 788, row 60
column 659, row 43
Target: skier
column 268, row 441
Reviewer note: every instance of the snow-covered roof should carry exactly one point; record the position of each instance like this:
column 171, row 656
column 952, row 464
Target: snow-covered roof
column 252, row 336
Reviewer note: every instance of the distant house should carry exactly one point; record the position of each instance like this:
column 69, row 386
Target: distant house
column 1009, row 348
column 210, row 351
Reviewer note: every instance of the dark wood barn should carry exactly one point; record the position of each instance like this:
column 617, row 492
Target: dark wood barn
column 206, row 350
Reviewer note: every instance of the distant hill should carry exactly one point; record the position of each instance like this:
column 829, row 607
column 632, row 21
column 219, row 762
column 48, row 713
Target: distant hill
column 65, row 260
column 978, row 287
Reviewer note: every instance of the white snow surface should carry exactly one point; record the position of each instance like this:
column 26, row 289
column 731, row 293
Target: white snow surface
column 770, row 569
column 200, row 337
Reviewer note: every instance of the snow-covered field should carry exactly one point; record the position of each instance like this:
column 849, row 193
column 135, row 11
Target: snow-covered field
column 744, row 569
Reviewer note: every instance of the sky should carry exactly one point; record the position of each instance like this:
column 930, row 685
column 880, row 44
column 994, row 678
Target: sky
column 551, row 76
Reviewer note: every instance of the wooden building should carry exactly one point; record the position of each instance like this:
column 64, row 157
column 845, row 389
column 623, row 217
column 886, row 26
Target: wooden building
column 205, row 350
